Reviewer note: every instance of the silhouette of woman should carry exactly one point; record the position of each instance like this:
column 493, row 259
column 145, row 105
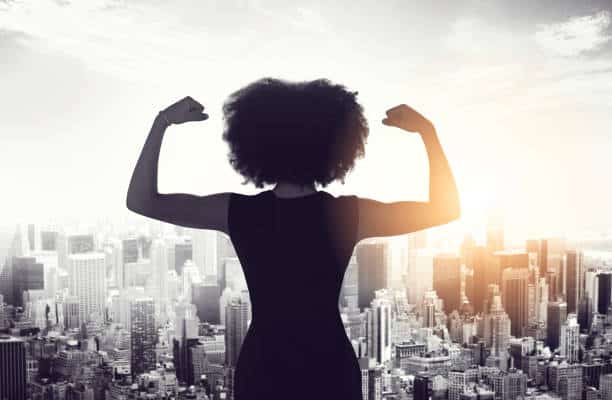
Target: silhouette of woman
column 294, row 242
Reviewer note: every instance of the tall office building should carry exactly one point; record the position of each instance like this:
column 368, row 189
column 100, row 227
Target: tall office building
column 570, row 335
column 12, row 368
column 373, row 265
column 447, row 281
column 205, row 296
column 573, row 279
column 503, row 259
column 185, row 337
column 159, row 266
column 585, row 313
column 552, row 250
column 71, row 312
column 604, row 291
column 378, row 334
column 557, row 314
column 418, row 266
column 480, row 257
column 237, row 319
column 515, row 298
column 419, row 275
column 497, row 328
column 205, row 250
column 87, row 281
column 143, row 335
column 26, row 274
column 429, row 309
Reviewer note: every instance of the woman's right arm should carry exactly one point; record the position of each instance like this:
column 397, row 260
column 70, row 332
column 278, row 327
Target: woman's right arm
column 377, row 218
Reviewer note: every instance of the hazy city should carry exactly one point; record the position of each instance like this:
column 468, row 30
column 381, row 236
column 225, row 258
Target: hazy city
column 511, row 301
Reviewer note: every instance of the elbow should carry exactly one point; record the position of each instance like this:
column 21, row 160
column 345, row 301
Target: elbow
column 446, row 214
column 134, row 205
column 454, row 215
column 454, row 212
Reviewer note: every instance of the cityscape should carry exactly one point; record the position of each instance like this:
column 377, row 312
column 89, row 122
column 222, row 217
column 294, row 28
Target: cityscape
column 157, row 311
column 511, row 301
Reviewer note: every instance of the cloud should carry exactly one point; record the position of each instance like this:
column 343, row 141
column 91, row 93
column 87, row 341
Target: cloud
column 575, row 36
column 132, row 42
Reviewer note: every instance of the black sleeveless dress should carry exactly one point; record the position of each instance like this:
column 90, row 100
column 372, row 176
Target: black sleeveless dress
column 294, row 252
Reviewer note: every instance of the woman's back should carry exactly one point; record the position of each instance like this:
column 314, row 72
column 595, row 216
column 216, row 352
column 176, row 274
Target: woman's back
column 294, row 252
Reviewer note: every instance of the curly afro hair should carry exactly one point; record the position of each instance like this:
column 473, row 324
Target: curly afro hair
column 298, row 132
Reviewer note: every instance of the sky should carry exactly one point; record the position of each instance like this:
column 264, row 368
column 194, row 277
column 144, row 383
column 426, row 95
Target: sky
column 520, row 94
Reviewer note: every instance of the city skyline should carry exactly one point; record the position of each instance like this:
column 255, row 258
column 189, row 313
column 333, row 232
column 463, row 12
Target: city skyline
column 512, row 301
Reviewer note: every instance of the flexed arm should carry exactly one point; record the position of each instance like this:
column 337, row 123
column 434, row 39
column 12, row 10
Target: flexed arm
column 389, row 219
column 203, row 212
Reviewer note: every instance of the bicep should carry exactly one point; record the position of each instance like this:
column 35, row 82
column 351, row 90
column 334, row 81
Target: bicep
column 193, row 211
column 376, row 218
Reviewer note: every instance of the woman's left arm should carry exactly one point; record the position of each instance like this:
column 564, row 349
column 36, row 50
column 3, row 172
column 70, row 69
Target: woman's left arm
column 200, row 212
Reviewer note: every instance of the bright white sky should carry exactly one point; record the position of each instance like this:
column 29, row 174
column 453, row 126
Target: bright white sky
column 521, row 95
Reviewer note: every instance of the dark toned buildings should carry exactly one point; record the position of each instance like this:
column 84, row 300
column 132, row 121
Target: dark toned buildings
column 12, row 368
column 447, row 280
column 373, row 270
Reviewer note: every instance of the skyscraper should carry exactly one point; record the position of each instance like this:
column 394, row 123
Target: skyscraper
column 143, row 334
column 12, row 368
column 557, row 314
column 159, row 266
column 551, row 256
column 515, row 298
column 205, row 250
column 26, row 274
column 428, row 309
column 480, row 279
column 237, row 317
column 447, row 280
column 87, row 281
column 372, row 261
column 573, row 279
column 378, row 333
column 570, row 334
column 205, row 296
column 497, row 328
column 186, row 336
column 604, row 291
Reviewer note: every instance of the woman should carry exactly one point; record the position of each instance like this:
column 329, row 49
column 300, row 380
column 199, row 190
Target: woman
column 293, row 241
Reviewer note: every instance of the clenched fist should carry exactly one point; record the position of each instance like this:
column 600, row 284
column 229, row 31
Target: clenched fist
column 184, row 110
column 407, row 118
